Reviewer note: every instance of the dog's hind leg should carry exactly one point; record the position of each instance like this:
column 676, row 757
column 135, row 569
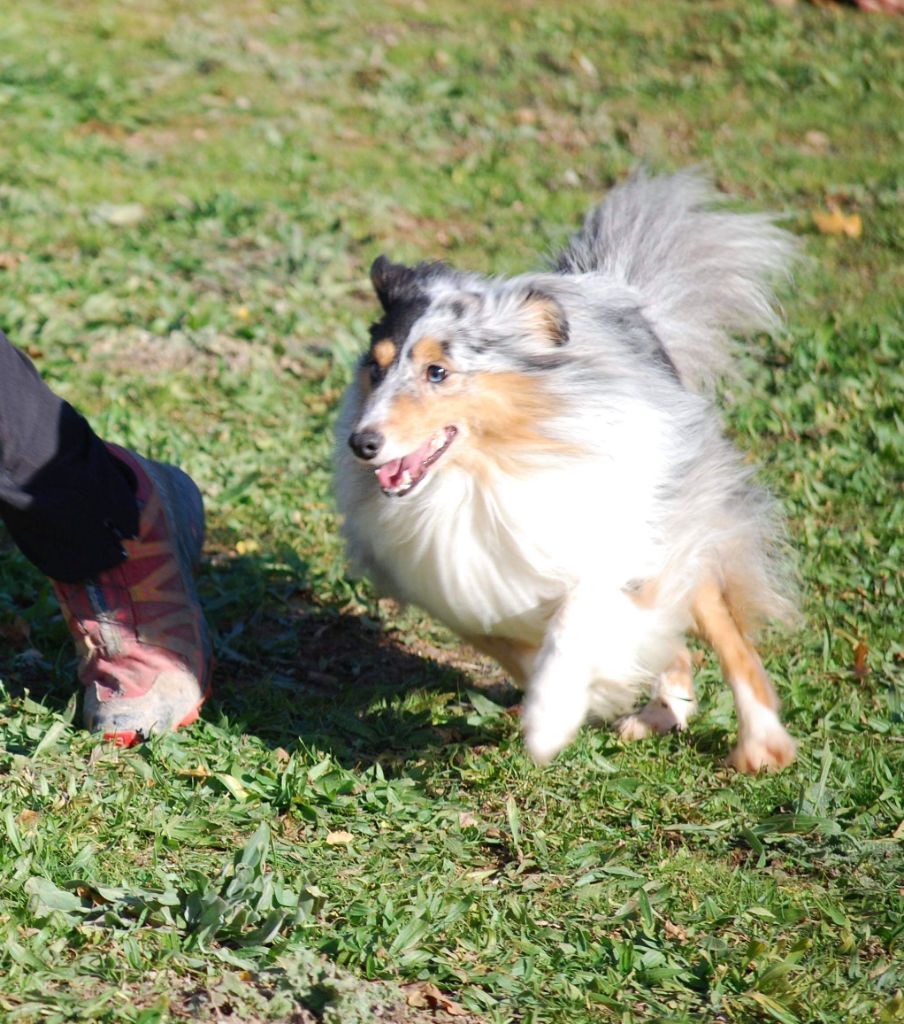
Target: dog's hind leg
column 762, row 739
column 671, row 703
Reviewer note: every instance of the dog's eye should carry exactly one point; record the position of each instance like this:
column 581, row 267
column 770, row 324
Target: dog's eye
column 436, row 374
column 376, row 374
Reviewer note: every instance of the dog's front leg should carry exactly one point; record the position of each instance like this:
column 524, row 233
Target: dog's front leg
column 558, row 690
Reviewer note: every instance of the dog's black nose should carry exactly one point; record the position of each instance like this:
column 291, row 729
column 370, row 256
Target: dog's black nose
column 366, row 444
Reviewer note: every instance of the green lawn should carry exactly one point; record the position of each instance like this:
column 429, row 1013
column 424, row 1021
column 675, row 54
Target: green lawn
column 191, row 195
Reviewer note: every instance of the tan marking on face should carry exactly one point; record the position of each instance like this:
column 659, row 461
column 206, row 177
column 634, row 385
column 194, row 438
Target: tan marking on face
column 737, row 656
column 428, row 351
column 503, row 414
column 384, row 352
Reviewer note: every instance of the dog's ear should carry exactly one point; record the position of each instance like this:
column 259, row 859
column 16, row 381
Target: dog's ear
column 390, row 280
column 545, row 317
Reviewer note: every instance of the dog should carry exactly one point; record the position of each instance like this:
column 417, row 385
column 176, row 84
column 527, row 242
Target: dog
column 539, row 464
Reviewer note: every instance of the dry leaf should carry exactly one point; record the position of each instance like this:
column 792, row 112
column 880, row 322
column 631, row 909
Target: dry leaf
column 122, row 215
column 674, row 931
column 834, row 222
column 481, row 875
column 338, row 838
column 428, row 996
column 443, row 1002
column 861, row 660
column 466, row 819
column 28, row 819
column 585, row 64
column 417, row 999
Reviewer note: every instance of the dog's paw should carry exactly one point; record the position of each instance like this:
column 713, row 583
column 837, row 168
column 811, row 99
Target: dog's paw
column 764, row 753
column 546, row 734
column 655, row 719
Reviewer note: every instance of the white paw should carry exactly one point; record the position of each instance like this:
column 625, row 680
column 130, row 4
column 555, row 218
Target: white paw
column 770, row 752
column 547, row 732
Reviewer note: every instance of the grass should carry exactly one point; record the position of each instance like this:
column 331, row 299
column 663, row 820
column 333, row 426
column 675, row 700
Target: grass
column 191, row 195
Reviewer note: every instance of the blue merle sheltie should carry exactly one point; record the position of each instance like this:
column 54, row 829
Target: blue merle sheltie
column 538, row 463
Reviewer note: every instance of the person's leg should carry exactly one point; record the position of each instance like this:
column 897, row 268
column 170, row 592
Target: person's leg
column 65, row 500
column 118, row 535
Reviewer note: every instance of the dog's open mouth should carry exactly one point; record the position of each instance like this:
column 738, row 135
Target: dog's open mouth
column 399, row 476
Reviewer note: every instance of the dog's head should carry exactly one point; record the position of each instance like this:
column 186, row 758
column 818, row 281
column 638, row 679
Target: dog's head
column 457, row 371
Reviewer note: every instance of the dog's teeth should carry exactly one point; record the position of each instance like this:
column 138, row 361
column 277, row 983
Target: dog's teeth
column 406, row 479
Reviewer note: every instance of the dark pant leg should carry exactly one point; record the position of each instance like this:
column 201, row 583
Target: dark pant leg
column 66, row 501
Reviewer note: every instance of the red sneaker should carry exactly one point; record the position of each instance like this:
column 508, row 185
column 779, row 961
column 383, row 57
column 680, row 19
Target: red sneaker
column 139, row 629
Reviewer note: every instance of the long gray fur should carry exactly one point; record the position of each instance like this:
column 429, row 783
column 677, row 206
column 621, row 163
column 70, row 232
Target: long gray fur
column 700, row 273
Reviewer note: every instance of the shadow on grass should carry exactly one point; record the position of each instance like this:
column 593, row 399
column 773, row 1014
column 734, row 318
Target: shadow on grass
column 293, row 669
column 290, row 668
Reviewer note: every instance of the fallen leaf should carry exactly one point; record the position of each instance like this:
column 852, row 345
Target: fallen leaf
column 817, row 140
column 428, row 996
column 584, row 63
column 834, row 222
column 443, row 1001
column 28, row 819
column 674, row 931
column 481, row 874
column 861, row 660
column 417, row 999
column 338, row 838
column 124, row 215
column 466, row 819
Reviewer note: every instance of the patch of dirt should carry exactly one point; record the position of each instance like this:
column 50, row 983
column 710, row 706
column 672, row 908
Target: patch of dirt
column 302, row 989
column 255, row 999
column 135, row 350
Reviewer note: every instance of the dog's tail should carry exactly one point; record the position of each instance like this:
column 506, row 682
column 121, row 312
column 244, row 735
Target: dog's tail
column 701, row 273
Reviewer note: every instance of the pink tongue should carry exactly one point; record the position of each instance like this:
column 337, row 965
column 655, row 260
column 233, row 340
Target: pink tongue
column 388, row 473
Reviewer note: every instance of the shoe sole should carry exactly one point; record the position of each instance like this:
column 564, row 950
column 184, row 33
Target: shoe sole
column 132, row 737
